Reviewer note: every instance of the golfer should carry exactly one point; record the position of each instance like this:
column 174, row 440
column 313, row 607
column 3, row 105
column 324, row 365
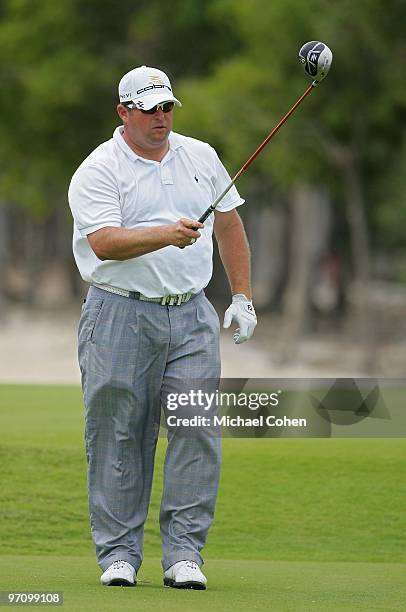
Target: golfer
column 146, row 326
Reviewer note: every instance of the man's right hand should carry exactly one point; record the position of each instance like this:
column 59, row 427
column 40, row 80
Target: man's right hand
column 121, row 243
column 184, row 232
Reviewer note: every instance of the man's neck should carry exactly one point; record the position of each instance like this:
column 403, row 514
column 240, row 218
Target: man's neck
column 155, row 154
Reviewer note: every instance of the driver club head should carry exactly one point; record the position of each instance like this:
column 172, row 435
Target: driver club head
column 316, row 58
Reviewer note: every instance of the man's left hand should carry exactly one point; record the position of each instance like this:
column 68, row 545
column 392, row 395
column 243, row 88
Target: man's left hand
column 242, row 311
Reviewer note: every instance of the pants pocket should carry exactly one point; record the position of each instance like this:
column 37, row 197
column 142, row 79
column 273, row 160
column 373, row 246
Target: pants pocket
column 91, row 311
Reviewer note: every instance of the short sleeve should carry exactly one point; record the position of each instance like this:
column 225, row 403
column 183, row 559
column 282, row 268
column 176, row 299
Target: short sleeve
column 94, row 199
column 221, row 181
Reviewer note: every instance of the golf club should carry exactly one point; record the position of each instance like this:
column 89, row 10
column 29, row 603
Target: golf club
column 316, row 58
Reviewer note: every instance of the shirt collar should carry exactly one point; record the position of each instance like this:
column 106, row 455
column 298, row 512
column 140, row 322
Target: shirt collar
column 174, row 144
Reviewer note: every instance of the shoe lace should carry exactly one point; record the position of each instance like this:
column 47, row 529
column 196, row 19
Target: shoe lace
column 117, row 565
column 192, row 564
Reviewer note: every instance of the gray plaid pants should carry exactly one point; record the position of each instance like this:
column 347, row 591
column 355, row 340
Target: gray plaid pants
column 132, row 354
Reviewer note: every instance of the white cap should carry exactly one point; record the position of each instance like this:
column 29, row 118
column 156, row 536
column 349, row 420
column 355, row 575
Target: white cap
column 146, row 87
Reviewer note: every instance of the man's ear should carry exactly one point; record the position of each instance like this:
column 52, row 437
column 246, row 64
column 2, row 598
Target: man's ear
column 122, row 112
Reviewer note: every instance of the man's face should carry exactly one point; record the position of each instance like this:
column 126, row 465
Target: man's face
column 146, row 131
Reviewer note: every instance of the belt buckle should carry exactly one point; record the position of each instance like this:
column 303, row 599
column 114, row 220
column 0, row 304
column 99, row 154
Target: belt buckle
column 169, row 300
column 173, row 300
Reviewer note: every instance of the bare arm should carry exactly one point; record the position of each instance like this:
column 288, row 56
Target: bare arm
column 121, row 243
column 234, row 251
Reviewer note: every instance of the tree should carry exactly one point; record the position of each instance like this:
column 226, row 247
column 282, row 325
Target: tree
column 347, row 136
column 61, row 63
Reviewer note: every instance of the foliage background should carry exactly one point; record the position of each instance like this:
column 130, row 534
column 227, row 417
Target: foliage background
column 326, row 204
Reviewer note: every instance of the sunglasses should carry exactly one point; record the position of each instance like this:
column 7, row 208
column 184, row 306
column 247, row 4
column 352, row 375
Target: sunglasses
column 166, row 107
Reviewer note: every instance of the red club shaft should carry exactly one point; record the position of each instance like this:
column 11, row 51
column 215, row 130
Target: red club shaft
column 255, row 154
column 272, row 133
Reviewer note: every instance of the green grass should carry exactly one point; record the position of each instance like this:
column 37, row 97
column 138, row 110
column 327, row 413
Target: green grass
column 301, row 524
column 233, row 585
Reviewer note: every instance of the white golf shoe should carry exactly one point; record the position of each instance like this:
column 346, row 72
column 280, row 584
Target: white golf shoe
column 119, row 573
column 185, row 575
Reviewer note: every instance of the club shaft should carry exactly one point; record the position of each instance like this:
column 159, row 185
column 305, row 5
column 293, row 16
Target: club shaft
column 249, row 161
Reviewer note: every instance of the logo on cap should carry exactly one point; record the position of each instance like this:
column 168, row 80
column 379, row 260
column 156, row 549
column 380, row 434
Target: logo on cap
column 156, row 79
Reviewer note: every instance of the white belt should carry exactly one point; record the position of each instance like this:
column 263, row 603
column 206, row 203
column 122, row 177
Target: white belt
column 167, row 300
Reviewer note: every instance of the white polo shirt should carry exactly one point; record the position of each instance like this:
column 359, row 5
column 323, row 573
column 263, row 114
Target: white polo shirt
column 115, row 187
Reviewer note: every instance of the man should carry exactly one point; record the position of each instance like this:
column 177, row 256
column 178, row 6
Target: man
column 147, row 327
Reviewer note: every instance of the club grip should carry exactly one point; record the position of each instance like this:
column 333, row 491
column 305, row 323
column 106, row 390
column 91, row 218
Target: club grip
column 203, row 218
column 193, row 228
column 206, row 214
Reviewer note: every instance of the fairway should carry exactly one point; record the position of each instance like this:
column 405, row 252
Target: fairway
column 301, row 524
column 257, row 585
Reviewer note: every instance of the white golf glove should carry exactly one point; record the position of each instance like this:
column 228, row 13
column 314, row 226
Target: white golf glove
column 242, row 311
